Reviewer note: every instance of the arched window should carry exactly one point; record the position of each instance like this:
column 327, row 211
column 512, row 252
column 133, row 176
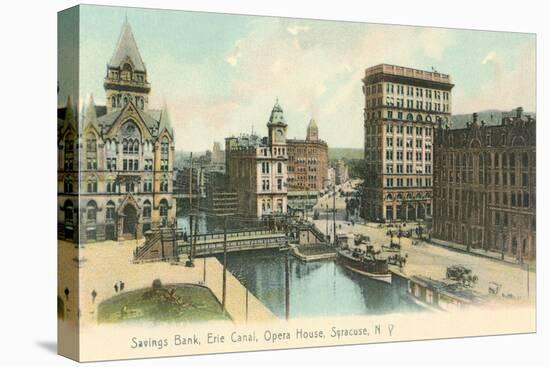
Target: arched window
column 126, row 73
column 91, row 144
column 164, row 184
column 410, row 117
column 524, row 160
column 91, row 152
column 68, row 210
column 68, row 184
column 68, row 155
column 110, row 212
column 164, row 146
column 429, row 118
column 419, row 118
column 91, row 212
column 163, row 211
column 92, row 184
column 147, row 209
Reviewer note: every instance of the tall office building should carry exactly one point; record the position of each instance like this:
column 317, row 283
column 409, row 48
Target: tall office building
column 402, row 106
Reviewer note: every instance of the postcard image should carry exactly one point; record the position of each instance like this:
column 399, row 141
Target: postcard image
column 238, row 183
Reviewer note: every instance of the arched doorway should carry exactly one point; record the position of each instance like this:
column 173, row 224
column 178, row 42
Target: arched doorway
column 129, row 225
column 68, row 211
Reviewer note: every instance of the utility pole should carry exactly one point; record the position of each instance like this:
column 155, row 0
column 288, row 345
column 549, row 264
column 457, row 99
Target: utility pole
column 191, row 255
column 224, row 279
column 326, row 214
column 527, row 280
column 204, row 270
column 334, row 214
column 287, row 288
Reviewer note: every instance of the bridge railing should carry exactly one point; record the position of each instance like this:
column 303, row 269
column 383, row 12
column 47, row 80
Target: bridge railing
column 230, row 234
column 235, row 245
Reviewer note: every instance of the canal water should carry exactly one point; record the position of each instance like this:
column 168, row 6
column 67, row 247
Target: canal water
column 322, row 288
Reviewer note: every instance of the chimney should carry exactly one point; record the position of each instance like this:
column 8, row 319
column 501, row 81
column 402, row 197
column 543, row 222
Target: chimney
column 519, row 112
column 474, row 116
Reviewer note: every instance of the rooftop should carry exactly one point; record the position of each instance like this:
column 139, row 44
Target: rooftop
column 408, row 72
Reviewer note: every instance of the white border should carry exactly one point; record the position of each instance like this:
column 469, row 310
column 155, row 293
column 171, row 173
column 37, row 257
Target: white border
column 27, row 209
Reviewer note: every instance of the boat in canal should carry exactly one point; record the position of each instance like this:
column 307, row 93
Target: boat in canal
column 368, row 263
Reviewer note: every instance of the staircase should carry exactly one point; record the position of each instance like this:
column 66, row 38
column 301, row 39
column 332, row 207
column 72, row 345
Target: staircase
column 151, row 241
column 317, row 233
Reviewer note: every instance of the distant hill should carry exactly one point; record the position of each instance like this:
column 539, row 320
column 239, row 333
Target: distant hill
column 347, row 153
column 491, row 117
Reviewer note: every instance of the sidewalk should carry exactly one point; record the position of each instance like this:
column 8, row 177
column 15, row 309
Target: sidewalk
column 478, row 252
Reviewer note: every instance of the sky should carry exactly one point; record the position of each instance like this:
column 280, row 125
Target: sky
column 220, row 74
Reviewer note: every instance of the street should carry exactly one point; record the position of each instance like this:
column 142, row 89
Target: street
column 432, row 260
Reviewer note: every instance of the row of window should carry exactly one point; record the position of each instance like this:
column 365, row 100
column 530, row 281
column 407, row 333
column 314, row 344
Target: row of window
column 408, row 167
column 409, row 155
column 114, row 187
column 508, row 178
column 266, row 206
column 409, row 144
column 495, row 160
column 127, row 164
column 277, row 151
column 266, row 185
column 409, row 182
column 407, row 90
column 110, row 212
column 266, row 167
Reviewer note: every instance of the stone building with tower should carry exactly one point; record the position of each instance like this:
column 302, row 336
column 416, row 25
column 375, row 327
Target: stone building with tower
column 402, row 106
column 485, row 185
column 115, row 161
column 257, row 169
column 307, row 168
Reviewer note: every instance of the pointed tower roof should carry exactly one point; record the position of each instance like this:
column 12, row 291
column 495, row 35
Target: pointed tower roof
column 127, row 48
column 277, row 115
column 312, row 124
column 164, row 122
column 69, row 112
column 90, row 116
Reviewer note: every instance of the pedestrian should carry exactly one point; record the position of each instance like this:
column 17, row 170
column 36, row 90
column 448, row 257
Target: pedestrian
column 94, row 295
column 185, row 236
column 121, row 286
column 116, row 288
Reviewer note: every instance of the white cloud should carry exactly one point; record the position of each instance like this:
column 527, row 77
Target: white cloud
column 491, row 56
column 294, row 30
column 315, row 68
column 509, row 87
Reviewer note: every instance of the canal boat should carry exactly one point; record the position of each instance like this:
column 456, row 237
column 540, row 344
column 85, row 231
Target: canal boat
column 365, row 263
column 442, row 295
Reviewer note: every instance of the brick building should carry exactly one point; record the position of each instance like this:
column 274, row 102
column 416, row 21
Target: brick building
column 485, row 185
column 307, row 168
column 401, row 108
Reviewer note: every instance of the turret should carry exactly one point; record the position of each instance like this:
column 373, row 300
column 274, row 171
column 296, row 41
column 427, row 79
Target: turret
column 126, row 79
column 277, row 125
column 312, row 131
